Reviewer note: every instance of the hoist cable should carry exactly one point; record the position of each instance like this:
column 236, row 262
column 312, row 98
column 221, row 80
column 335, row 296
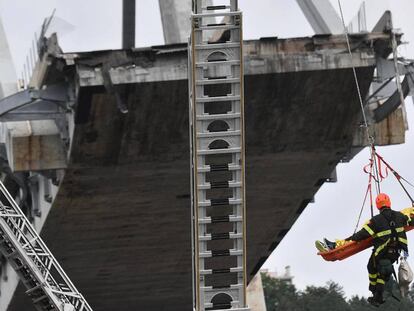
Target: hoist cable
column 371, row 140
column 355, row 74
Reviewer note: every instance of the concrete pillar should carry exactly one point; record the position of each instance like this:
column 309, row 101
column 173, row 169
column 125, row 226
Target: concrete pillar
column 128, row 23
column 8, row 78
column 322, row 16
column 175, row 17
column 255, row 294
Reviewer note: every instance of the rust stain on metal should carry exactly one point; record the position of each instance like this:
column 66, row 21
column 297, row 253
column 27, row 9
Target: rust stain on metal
column 38, row 153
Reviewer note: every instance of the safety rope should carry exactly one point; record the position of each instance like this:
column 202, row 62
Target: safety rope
column 377, row 170
column 368, row 191
column 397, row 176
column 371, row 140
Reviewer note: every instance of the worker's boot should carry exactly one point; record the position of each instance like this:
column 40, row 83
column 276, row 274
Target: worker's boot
column 330, row 244
column 321, row 246
column 373, row 302
column 378, row 297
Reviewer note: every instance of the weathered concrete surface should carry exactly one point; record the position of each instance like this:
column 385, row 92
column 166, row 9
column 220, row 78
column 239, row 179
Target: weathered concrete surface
column 255, row 295
column 120, row 224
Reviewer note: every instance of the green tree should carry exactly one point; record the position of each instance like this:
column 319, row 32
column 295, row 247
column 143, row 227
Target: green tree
column 359, row 304
column 328, row 298
column 282, row 295
column 279, row 294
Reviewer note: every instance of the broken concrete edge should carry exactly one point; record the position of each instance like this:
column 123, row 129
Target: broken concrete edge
column 268, row 47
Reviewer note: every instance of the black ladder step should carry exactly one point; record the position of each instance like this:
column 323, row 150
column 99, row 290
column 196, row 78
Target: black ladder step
column 219, row 184
column 220, row 236
column 216, row 7
column 219, row 167
column 219, row 202
column 215, row 24
column 220, row 271
column 220, row 253
column 219, row 219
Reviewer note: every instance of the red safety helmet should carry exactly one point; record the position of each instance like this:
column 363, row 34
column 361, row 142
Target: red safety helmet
column 383, row 200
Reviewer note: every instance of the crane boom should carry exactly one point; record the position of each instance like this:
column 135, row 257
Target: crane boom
column 46, row 282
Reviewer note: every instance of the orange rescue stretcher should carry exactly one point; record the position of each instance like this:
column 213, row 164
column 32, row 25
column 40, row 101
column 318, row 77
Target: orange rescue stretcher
column 352, row 248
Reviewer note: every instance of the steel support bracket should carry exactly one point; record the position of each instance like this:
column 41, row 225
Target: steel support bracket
column 33, row 104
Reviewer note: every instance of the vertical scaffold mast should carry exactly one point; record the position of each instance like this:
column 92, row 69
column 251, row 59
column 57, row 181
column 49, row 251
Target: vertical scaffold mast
column 218, row 157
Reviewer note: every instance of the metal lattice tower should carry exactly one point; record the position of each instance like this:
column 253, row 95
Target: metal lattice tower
column 218, row 149
column 47, row 284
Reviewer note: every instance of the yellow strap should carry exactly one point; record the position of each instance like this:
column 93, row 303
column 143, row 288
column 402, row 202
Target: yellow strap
column 373, row 276
column 369, row 230
column 381, row 247
column 380, row 281
column 382, row 233
column 402, row 240
column 372, row 282
column 388, row 232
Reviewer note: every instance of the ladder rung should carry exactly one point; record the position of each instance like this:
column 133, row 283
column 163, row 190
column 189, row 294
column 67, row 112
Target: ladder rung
column 216, row 7
column 218, row 168
column 218, row 81
column 221, row 271
column 217, row 202
column 225, row 62
column 221, row 253
column 219, row 219
column 219, row 26
column 209, row 99
column 220, row 236
column 201, row 117
column 217, row 14
column 232, row 286
column 218, row 151
column 219, row 134
column 219, row 306
column 30, row 290
column 217, row 46
column 224, row 307
column 219, row 185
column 214, row 271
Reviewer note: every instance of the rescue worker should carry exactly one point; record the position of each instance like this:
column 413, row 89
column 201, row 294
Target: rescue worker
column 389, row 239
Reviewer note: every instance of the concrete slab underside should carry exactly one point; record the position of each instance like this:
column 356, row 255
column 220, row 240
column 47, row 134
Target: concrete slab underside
column 120, row 225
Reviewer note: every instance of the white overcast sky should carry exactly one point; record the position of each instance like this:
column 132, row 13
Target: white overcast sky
column 97, row 25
